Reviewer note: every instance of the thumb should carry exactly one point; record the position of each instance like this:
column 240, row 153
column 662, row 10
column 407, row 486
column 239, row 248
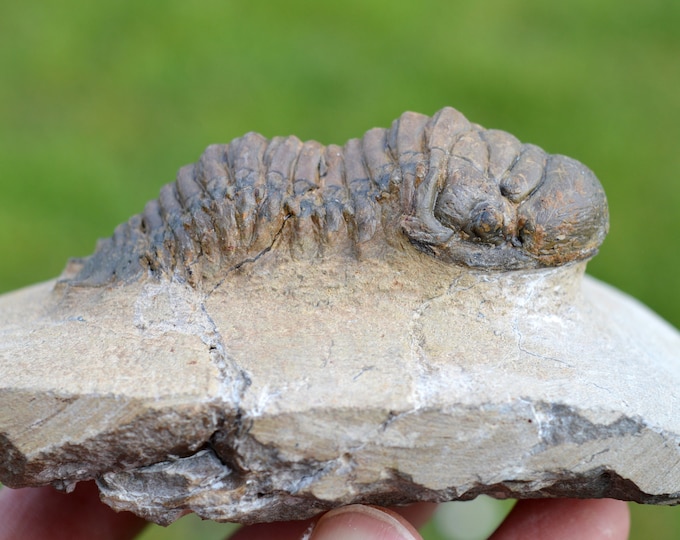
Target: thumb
column 357, row 522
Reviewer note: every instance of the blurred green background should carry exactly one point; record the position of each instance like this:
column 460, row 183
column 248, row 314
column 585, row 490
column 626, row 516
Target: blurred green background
column 101, row 102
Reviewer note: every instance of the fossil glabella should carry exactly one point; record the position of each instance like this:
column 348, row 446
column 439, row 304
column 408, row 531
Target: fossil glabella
column 291, row 326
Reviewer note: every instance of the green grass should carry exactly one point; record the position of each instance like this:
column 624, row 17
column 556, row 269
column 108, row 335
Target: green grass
column 101, row 102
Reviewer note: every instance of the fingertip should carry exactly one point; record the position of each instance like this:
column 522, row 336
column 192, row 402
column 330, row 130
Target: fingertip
column 359, row 522
column 563, row 519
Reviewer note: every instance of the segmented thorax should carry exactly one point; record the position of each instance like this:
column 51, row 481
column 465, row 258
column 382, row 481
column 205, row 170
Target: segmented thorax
column 442, row 185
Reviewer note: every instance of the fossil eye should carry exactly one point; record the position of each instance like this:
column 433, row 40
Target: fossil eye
column 472, row 203
column 486, row 223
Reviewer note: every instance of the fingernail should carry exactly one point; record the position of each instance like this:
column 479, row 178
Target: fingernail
column 358, row 522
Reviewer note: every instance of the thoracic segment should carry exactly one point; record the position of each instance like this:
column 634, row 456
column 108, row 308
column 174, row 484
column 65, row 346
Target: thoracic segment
column 455, row 190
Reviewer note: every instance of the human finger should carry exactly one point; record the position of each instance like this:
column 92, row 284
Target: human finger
column 37, row 513
column 363, row 523
column 286, row 530
column 565, row 519
column 415, row 514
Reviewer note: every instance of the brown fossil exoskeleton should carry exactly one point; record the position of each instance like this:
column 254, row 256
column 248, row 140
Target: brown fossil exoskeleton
column 462, row 193
column 291, row 327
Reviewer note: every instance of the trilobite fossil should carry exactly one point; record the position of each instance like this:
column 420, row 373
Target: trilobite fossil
column 464, row 194
column 291, row 327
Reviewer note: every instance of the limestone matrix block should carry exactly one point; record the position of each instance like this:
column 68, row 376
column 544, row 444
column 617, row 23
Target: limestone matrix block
column 251, row 350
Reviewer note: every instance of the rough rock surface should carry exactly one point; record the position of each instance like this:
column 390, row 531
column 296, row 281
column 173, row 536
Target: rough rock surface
column 380, row 369
column 510, row 384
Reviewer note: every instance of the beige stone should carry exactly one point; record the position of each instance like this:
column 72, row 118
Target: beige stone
column 262, row 402
column 255, row 347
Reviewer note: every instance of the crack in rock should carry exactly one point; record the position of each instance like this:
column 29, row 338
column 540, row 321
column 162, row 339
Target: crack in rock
column 238, row 478
column 250, row 260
